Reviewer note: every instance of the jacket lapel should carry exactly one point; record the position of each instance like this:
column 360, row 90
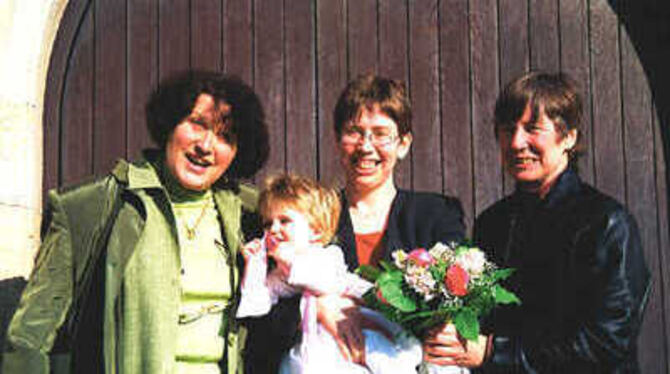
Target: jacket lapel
column 390, row 240
column 230, row 210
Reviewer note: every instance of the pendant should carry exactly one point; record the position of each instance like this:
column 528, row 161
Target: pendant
column 190, row 233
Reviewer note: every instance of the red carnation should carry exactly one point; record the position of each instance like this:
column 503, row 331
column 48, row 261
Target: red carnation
column 456, row 280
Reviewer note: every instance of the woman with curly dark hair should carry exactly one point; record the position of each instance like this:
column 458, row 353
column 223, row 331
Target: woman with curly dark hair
column 137, row 272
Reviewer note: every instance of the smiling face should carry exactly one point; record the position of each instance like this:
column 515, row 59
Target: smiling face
column 535, row 154
column 200, row 148
column 284, row 225
column 369, row 166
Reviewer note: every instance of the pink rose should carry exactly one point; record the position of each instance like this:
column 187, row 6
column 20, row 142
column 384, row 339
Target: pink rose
column 421, row 257
column 456, row 280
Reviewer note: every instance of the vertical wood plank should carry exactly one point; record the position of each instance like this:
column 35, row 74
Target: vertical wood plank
column 424, row 91
column 173, row 37
column 362, row 37
column 663, row 237
column 514, row 53
column 393, row 63
column 331, row 80
column 237, row 38
column 544, row 53
column 393, row 43
column 514, row 39
column 484, row 75
column 69, row 36
column 142, row 70
column 206, row 41
column 641, row 195
column 51, row 132
column 455, row 105
column 575, row 62
column 269, row 78
column 607, row 138
column 301, row 134
column 109, row 138
column 77, row 153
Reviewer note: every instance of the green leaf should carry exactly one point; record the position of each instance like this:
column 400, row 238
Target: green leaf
column 501, row 274
column 460, row 250
column 420, row 315
column 438, row 271
column 395, row 297
column 370, row 273
column 387, row 266
column 467, row 324
column 391, row 276
column 390, row 285
column 504, row 296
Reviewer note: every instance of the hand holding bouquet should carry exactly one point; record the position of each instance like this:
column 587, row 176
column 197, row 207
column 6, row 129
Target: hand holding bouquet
column 424, row 288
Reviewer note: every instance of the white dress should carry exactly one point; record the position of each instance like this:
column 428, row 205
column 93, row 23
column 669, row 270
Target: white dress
column 323, row 271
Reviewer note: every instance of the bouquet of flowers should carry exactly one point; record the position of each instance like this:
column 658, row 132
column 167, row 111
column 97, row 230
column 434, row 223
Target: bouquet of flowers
column 424, row 288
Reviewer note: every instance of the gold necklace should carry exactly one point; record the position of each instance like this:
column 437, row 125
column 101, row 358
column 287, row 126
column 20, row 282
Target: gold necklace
column 191, row 231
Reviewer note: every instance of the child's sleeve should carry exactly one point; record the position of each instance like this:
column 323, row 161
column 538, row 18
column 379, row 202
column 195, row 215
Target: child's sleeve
column 323, row 270
column 355, row 285
column 279, row 288
column 255, row 297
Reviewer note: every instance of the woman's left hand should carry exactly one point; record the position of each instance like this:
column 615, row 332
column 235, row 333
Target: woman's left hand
column 341, row 318
column 443, row 346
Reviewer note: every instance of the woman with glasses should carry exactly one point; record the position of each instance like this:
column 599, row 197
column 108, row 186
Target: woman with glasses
column 372, row 121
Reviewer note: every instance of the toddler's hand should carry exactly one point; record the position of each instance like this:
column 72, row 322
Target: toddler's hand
column 271, row 243
column 252, row 248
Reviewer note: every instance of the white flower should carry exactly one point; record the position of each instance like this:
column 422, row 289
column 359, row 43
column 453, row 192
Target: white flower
column 421, row 280
column 399, row 258
column 441, row 252
column 473, row 261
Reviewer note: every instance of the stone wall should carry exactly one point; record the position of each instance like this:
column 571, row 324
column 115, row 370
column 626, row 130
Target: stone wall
column 27, row 32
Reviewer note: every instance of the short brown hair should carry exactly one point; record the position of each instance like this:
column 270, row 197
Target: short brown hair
column 320, row 205
column 368, row 91
column 554, row 94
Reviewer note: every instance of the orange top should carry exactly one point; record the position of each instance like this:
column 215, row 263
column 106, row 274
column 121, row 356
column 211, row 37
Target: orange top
column 369, row 248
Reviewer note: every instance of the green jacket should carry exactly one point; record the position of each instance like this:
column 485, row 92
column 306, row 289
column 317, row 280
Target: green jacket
column 70, row 283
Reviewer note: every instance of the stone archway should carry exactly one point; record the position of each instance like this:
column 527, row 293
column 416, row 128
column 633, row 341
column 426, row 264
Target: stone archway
column 26, row 38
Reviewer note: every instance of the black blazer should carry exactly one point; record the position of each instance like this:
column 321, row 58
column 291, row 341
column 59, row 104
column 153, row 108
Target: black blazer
column 416, row 220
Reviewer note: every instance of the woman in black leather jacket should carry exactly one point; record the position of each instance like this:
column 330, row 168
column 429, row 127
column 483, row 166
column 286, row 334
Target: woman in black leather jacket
column 580, row 269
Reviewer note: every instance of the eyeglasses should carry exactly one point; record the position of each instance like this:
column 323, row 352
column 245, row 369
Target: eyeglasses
column 378, row 137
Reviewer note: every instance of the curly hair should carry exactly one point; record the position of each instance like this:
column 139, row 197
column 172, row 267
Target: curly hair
column 368, row 91
column 554, row 95
column 174, row 99
column 319, row 204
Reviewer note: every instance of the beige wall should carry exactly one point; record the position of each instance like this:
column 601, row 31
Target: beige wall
column 27, row 32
